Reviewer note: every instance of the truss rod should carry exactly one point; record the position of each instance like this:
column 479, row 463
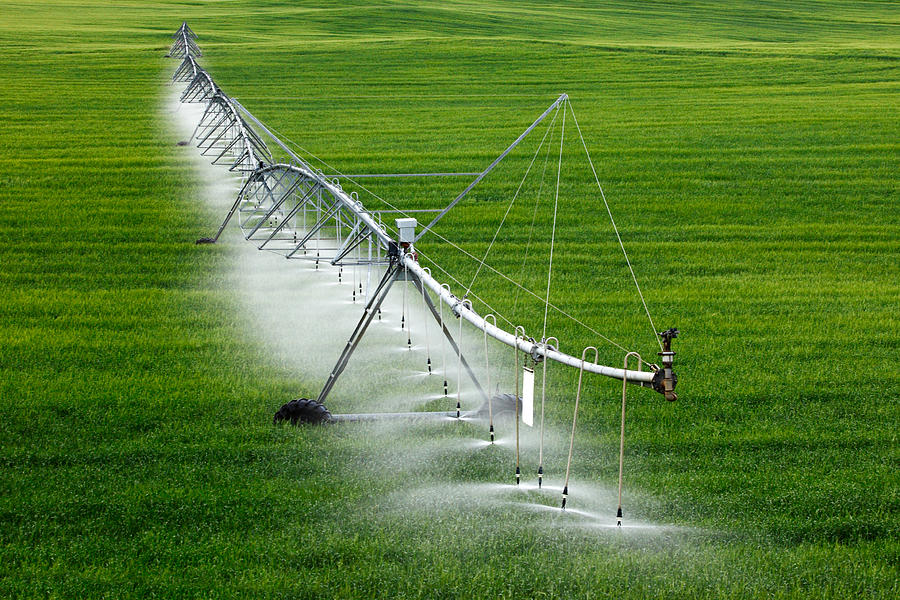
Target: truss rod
column 490, row 168
column 462, row 359
column 384, row 286
column 303, row 201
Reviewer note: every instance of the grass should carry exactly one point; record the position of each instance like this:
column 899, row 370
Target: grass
column 749, row 153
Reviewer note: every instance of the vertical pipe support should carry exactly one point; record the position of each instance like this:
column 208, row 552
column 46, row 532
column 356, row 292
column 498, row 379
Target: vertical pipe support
column 487, row 370
column 516, row 397
column 622, row 433
column 546, row 344
column 584, row 352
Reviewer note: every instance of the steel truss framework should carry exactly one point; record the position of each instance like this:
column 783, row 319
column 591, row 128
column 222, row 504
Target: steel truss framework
column 184, row 44
column 293, row 209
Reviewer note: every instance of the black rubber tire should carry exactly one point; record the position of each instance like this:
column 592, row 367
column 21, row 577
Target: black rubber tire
column 302, row 410
column 501, row 404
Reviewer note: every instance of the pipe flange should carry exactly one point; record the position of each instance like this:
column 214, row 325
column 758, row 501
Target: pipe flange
column 536, row 355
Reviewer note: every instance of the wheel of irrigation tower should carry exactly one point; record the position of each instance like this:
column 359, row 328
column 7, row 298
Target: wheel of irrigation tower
column 302, row 410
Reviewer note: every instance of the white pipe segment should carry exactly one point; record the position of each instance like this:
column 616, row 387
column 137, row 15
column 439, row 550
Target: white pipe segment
column 461, row 310
column 355, row 206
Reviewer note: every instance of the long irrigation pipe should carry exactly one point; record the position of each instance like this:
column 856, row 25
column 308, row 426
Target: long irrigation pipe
column 409, row 262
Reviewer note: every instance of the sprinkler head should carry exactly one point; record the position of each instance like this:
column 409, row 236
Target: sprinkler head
column 458, row 407
column 379, row 314
column 540, row 475
column 408, row 343
column 445, row 388
column 565, row 496
column 518, row 475
column 492, row 434
column 619, row 517
column 429, row 365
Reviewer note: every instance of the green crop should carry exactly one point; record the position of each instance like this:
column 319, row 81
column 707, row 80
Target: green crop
column 749, row 153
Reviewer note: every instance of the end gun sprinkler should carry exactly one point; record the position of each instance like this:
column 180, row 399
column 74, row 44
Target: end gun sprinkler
column 669, row 379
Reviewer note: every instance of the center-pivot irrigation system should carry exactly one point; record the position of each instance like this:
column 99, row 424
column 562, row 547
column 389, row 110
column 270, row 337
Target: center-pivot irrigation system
column 294, row 209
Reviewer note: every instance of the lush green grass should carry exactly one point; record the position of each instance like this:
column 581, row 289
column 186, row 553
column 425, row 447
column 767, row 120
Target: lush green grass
column 749, row 153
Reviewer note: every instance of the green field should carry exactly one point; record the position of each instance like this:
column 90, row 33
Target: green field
column 750, row 153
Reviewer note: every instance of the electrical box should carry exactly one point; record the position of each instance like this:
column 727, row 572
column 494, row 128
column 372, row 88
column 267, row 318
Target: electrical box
column 407, row 229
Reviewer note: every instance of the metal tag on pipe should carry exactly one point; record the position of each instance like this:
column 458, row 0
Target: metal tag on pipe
column 528, row 397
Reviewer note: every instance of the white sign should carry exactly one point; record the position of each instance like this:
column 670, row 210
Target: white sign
column 528, row 397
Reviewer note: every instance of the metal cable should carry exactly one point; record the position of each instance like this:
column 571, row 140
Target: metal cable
column 562, row 138
column 509, row 207
column 524, row 289
column 537, row 202
column 457, row 247
column 616, row 229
